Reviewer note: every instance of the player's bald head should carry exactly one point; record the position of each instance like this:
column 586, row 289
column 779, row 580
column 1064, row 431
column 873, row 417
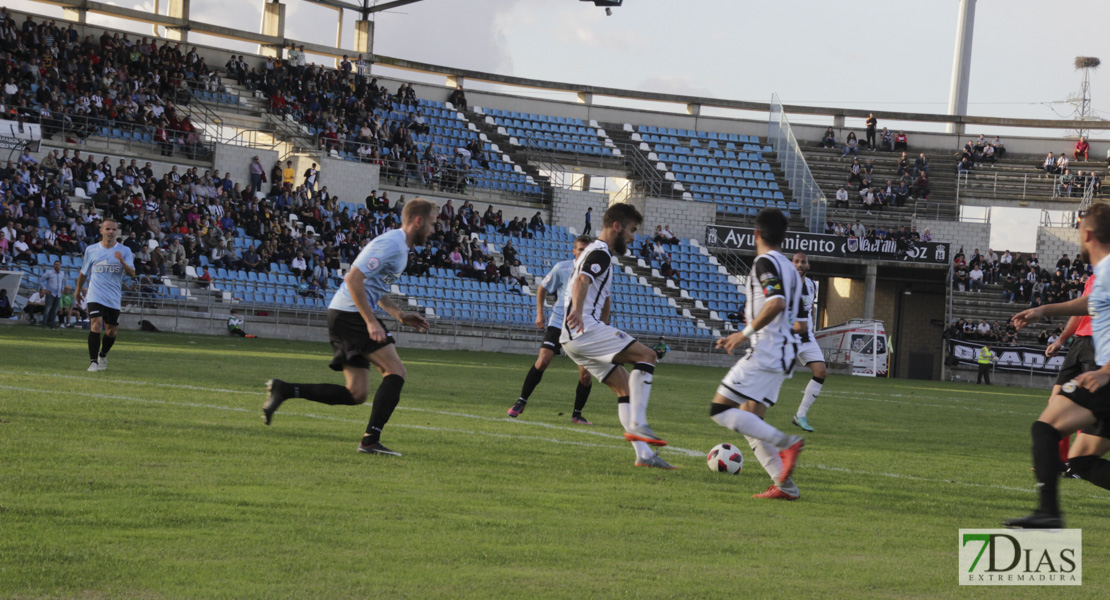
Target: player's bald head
column 801, row 261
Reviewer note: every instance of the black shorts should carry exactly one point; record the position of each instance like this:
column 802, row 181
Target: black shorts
column 551, row 340
column 1080, row 359
column 350, row 339
column 1097, row 402
column 110, row 315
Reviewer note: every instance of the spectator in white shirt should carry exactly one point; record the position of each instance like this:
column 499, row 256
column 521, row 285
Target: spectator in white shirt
column 841, row 197
column 1005, row 262
column 976, row 276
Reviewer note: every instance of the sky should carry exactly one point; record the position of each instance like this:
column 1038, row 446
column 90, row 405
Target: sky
column 867, row 54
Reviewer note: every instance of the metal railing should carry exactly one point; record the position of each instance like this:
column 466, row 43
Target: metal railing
column 131, row 137
column 1068, row 218
column 803, row 187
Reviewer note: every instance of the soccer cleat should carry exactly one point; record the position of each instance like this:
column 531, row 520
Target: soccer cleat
column 376, row 448
column 655, row 462
column 93, row 367
column 1037, row 520
column 643, row 433
column 102, row 363
column 775, row 493
column 790, row 457
column 517, row 408
column 251, row 337
column 802, row 422
column 580, row 420
column 273, row 400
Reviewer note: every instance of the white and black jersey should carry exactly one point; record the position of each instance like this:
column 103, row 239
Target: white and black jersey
column 596, row 262
column 809, row 307
column 774, row 276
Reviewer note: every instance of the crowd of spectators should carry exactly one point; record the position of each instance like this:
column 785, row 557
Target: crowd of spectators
column 1023, row 279
column 351, row 112
column 73, row 86
column 910, row 182
column 995, row 334
column 453, row 247
column 884, row 141
column 978, row 152
column 905, row 238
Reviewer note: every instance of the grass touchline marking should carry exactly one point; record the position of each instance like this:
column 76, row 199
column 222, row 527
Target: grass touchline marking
column 511, row 436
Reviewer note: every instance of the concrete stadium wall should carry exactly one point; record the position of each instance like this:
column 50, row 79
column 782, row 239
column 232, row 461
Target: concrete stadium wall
column 569, row 208
column 1052, row 242
column 351, row 181
column 159, row 166
column 960, row 234
column 687, row 219
column 236, row 160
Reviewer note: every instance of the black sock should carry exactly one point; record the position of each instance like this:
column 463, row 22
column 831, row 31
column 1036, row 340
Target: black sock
column 1092, row 468
column 324, row 393
column 106, row 344
column 530, row 382
column 581, row 395
column 385, row 400
column 1046, row 466
column 94, row 345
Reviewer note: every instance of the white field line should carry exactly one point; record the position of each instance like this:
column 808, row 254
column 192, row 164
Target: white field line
column 532, row 438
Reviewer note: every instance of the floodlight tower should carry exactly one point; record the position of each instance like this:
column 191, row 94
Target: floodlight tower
column 961, row 64
column 1083, row 110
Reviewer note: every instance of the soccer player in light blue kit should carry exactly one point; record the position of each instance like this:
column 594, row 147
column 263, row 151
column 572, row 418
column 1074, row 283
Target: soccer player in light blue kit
column 104, row 266
column 358, row 338
column 555, row 283
column 1084, row 401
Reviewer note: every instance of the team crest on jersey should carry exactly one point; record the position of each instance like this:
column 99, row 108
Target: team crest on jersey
column 596, row 268
column 373, row 264
column 621, row 335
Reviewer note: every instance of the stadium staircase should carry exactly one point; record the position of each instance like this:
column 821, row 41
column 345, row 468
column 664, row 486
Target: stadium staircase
column 532, row 166
column 708, row 313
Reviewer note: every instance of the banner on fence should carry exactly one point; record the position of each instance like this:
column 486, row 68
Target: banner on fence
column 1021, row 359
column 832, row 246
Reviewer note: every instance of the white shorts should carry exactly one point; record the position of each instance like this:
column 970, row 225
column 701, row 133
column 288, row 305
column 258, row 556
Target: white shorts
column 810, row 352
column 595, row 349
column 747, row 381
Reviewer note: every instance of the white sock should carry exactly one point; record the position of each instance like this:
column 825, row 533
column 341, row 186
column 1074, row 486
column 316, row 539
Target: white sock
column 639, row 390
column 749, row 424
column 812, row 389
column 767, row 455
column 624, row 413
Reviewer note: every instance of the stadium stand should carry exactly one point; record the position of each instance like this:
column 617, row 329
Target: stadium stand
column 727, row 169
column 556, row 134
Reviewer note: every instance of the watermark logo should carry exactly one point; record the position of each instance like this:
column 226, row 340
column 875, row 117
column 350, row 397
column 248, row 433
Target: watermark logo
column 1021, row 557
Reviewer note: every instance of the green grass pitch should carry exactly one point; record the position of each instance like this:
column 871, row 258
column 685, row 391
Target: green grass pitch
column 157, row 479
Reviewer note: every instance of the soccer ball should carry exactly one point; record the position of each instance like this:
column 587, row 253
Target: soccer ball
column 725, row 458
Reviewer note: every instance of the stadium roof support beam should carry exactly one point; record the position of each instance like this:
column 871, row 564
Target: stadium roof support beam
column 961, row 64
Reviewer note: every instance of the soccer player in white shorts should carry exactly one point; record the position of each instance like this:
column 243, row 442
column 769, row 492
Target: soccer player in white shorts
column 601, row 349
column 809, row 353
column 774, row 314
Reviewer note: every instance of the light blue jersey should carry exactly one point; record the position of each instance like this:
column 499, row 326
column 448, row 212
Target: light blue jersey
column 1098, row 306
column 382, row 261
column 555, row 282
column 105, row 273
